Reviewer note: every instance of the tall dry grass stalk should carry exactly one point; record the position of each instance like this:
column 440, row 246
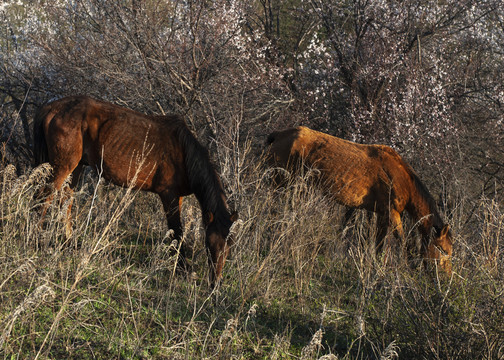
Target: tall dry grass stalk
column 298, row 284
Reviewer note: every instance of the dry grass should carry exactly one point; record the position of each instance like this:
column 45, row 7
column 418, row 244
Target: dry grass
column 298, row 285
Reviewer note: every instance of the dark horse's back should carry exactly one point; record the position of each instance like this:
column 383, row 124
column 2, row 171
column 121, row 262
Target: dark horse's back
column 126, row 144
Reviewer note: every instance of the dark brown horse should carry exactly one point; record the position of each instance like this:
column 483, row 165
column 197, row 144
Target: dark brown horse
column 153, row 153
column 371, row 177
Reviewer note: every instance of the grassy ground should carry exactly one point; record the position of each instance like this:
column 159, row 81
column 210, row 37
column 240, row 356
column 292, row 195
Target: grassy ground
column 298, row 286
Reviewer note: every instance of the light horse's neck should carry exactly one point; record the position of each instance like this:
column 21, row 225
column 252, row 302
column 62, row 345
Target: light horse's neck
column 423, row 209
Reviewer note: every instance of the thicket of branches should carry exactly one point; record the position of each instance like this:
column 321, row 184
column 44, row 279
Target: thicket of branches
column 414, row 74
column 422, row 76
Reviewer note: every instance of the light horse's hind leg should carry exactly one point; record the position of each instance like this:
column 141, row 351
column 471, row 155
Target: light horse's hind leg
column 391, row 219
column 349, row 213
column 346, row 219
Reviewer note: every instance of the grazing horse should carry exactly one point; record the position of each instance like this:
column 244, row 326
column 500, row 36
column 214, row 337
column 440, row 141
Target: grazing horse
column 153, row 153
column 371, row 177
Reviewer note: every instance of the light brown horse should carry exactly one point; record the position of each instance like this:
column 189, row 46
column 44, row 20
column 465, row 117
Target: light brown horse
column 371, row 177
column 153, row 153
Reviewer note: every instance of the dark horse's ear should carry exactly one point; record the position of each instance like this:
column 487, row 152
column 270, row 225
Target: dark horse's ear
column 208, row 217
column 234, row 216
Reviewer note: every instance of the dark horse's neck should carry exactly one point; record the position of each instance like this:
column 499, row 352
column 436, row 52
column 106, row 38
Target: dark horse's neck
column 423, row 209
column 203, row 179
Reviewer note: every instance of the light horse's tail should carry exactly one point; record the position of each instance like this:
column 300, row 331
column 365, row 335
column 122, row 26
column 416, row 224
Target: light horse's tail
column 40, row 151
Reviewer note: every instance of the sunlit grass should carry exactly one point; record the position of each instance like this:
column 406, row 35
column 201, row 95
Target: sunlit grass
column 298, row 283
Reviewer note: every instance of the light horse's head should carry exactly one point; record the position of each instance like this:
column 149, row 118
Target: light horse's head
column 218, row 242
column 441, row 247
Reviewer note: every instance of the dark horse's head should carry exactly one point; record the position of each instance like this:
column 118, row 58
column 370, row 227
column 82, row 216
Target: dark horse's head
column 218, row 242
column 441, row 247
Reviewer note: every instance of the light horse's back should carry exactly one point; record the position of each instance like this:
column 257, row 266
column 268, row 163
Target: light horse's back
column 371, row 177
column 152, row 153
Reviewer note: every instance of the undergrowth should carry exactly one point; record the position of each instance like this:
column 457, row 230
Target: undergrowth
column 299, row 283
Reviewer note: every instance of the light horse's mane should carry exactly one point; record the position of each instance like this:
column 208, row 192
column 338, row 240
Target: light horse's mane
column 426, row 195
column 421, row 189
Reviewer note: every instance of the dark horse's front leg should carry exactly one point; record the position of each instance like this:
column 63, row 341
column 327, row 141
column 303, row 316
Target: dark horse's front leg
column 172, row 206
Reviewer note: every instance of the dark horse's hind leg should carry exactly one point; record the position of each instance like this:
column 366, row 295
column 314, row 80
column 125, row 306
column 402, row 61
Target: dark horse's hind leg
column 65, row 153
column 48, row 193
column 172, row 206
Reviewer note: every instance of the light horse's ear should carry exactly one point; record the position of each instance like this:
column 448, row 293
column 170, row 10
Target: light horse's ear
column 234, row 216
column 445, row 230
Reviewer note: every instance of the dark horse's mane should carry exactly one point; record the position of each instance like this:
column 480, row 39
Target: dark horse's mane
column 202, row 176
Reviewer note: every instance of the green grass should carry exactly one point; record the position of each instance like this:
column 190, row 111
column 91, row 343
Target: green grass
column 296, row 287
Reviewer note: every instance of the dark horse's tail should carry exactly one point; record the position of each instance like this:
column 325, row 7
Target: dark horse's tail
column 40, row 152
